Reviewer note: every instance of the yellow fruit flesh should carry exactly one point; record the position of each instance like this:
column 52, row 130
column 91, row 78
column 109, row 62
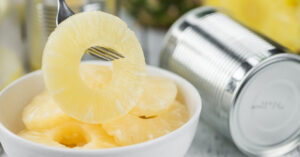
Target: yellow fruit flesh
column 95, row 76
column 81, row 136
column 68, row 133
column 46, row 124
column 131, row 129
column 43, row 113
column 61, row 60
column 158, row 93
column 99, row 138
column 81, row 94
column 72, row 135
column 39, row 137
column 157, row 97
column 283, row 24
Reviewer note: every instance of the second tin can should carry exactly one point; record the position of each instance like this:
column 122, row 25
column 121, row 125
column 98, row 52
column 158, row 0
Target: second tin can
column 249, row 84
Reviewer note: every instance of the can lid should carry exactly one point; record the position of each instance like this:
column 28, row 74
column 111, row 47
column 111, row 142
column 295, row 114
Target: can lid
column 265, row 119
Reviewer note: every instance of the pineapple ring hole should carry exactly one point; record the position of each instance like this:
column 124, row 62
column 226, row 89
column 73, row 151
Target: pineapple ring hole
column 147, row 117
column 72, row 136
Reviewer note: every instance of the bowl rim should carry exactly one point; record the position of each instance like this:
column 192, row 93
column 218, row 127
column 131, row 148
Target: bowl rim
column 193, row 119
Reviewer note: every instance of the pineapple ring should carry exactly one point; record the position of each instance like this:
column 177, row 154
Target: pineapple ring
column 39, row 137
column 81, row 136
column 47, row 124
column 131, row 129
column 158, row 95
column 43, row 113
column 72, row 135
column 61, row 60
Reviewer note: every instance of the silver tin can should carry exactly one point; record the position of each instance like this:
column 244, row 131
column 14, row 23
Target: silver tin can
column 249, row 84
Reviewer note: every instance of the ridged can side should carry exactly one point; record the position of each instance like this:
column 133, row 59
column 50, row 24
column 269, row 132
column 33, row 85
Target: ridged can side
column 219, row 56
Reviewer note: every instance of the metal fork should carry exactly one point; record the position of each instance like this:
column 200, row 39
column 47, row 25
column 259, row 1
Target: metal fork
column 107, row 54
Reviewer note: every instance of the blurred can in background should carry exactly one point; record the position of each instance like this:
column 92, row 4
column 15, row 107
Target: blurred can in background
column 11, row 46
column 11, row 67
column 4, row 4
column 41, row 21
column 249, row 84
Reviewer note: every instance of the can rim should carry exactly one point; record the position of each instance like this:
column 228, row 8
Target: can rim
column 291, row 142
column 164, row 58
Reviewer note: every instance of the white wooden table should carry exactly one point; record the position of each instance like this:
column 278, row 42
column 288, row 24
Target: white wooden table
column 209, row 143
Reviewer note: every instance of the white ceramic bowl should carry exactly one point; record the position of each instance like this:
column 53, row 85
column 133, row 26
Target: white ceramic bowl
column 19, row 93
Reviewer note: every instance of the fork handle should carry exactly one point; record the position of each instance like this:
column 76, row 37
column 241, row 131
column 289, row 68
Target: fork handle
column 63, row 11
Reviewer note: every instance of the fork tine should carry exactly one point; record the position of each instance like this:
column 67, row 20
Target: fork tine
column 110, row 51
column 108, row 54
column 98, row 55
column 104, row 53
